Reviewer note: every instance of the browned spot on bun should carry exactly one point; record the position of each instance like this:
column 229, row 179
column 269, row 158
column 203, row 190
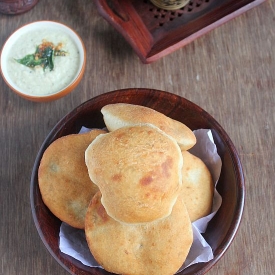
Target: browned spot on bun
column 102, row 213
column 117, row 177
column 146, row 180
column 167, row 167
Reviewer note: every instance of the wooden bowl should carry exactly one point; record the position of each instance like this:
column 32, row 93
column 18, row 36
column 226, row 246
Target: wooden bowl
column 14, row 7
column 222, row 228
column 66, row 34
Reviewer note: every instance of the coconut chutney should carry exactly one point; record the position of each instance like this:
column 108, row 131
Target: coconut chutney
column 37, row 81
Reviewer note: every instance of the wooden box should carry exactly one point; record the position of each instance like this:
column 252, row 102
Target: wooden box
column 154, row 33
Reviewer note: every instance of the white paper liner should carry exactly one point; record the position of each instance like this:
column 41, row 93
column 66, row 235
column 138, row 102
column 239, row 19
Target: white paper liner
column 73, row 242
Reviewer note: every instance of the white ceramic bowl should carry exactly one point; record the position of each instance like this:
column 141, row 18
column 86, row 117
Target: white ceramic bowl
column 72, row 64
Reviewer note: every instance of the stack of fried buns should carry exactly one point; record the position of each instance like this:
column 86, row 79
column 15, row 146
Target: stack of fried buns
column 135, row 189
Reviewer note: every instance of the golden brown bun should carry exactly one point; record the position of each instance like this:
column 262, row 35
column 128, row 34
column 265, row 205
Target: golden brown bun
column 121, row 114
column 138, row 171
column 197, row 186
column 155, row 248
column 63, row 178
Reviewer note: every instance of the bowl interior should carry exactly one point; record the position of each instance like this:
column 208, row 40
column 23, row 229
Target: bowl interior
column 37, row 26
column 222, row 228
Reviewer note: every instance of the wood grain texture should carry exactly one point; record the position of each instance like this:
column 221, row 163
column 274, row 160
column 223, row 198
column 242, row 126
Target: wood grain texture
column 229, row 72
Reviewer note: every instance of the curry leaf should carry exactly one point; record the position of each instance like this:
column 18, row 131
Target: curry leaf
column 30, row 61
column 43, row 56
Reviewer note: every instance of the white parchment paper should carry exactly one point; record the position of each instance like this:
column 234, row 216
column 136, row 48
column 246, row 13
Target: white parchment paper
column 73, row 242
